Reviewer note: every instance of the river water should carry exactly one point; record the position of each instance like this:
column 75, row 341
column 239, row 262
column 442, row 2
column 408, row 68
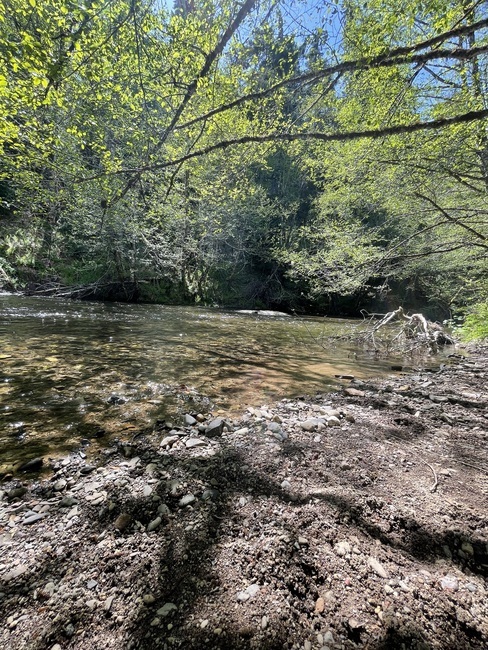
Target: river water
column 71, row 372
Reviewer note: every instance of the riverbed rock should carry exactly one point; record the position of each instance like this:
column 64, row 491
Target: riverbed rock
column 187, row 500
column 215, row 428
column 155, row 523
column 189, row 420
column 169, row 441
column 16, row 493
column 123, row 521
column 33, row 465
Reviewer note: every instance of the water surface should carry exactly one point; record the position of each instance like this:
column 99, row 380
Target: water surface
column 75, row 371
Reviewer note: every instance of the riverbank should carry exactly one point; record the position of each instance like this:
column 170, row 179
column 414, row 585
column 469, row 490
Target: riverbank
column 355, row 519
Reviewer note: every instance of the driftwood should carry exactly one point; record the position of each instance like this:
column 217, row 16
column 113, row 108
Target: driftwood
column 415, row 333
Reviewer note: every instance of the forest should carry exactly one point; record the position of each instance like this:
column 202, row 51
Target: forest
column 317, row 157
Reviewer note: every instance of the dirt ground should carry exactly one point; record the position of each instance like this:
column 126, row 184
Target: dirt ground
column 356, row 519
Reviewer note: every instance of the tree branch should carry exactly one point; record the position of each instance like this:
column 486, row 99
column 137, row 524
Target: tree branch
column 291, row 137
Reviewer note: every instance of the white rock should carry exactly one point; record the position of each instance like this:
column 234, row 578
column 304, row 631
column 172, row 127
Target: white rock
column 377, row 567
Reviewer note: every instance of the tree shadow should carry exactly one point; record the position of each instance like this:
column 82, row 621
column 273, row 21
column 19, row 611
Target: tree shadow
column 182, row 567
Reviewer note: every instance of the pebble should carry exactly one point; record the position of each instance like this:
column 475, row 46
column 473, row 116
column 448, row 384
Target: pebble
column 333, row 422
column 156, row 621
column 215, row 428
column 33, row 518
column 342, row 548
column 354, row 392
column 16, row 493
column 122, row 521
column 189, row 420
column 248, row 593
column 108, row 603
column 67, row 502
column 187, row 500
column 148, row 599
column 56, row 646
column 169, row 441
column 311, row 425
column 274, row 427
column 166, row 609
column 147, row 491
column 264, row 622
column 377, row 567
column 319, row 605
column 60, row 485
column 91, row 584
column 195, row 442
column 15, row 573
column 152, row 525
column 449, row 583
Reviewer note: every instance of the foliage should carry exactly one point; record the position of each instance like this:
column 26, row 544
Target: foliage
column 475, row 326
column 214, row 153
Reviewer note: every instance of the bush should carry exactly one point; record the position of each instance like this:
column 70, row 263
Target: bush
column 476, row 323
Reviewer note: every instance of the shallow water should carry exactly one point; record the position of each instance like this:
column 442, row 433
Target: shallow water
column 72, row 371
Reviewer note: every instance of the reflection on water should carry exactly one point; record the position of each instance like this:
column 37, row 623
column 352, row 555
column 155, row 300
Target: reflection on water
column 71, row 370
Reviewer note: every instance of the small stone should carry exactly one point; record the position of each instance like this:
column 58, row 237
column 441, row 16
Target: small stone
column 67, row 502
column 189, row 420
column 377, row 567
column 195, row 442
column 215, row 428
column 33, row 518
column 56, row 646
column 319, row 605
column 60, row 485
column 264, row 622
column 310, row 425
column 285, row 485
column 303, row 541
column 328, row 637
column 15, row 573
column 148, row 599
column 333, row 422
column 108, row 603
column 210, row 494
column 169, row 441
column 307, row 645
column 91, row 584
column 204, row 624
column 187, row 500
column 166, row 609
column 123, row 521
column 16, row 493
column 88, row 469
column 354, row 392
column 345, row 465
column 91, row 604
column 449, row 583
column 152, row 525
column 248, row 593
column 468, row 548
column 147, row 491
column 156, row 621
column 274, row 427
column 33, row 465
column 342, row 548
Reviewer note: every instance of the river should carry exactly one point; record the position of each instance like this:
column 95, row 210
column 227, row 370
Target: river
column 72, row 372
